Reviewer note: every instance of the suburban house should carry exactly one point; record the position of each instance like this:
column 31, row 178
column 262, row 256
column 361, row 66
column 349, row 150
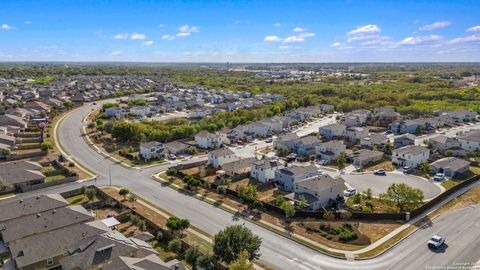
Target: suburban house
column 7, row 140
column 333, row 131
column 287, row 177
column 21, row 174
column 357, row 118
column 12, row 120
column 318, row 191
column 306, row 146
column 375, row 139
column 176, row 147
column 329, row 151
column 115, row 112
column 139, row 111
column 354, row 134
column 238, row 167
column 364, row 157
column 470, row 141
column 443, row 144
column 385, row 116
column 450, row 166
column 219, row 157
column 264, row 170
column 150, row 262
column 404, row 126
column 410, row 156
column 457, row 116
column 404, row 140
column 152, row 149
column 207, row 140
column 286, row 141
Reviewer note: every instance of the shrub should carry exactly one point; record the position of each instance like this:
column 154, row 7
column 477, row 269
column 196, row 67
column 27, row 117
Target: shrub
column 329, row 215
column 172, row 171
column 346, row 215
column 322, row 226
column 175, row 245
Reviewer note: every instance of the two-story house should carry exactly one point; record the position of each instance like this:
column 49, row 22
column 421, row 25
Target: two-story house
column 287, row 177
column 410, row 156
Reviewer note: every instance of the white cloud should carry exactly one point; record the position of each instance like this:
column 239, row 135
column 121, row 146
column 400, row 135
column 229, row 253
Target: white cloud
column 116, row 53
column 340, row 46
column 277, row 24
column 272, row 39
column 27, row 22
column 434, row 26
column 161, row 25
column 362, row 38
column 306, row 35
column 6, row 27
column 474, row 29
column 148, row 43
column 294, row 39
column 466, row 39
column 420, row 40
column 188, row 29
column 137, row 36
column 298, row 30
column 168, row 37
column 337, row 44
column 366, row 29
column 121, row 36
column 183, row 34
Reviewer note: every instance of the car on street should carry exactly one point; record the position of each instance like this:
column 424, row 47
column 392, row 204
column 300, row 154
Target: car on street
column 379, row 172
column 172, row 157
column 269, row 140
column 436, row 241
column 443, row 132
column 439, row 177
column 322, row 162
column 407, row 169
column 349, row 192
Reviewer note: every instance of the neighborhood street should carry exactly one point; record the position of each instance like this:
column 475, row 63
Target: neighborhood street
column 291, row 255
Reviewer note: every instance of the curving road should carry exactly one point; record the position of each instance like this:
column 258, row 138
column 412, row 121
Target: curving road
column 461, row 227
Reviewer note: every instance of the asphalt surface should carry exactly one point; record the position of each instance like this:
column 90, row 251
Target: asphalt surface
column 277, row 251
column 380, row 183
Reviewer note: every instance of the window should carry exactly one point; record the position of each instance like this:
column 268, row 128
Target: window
column 49, row 261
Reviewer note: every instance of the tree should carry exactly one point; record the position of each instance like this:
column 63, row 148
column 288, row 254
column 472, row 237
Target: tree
column 205, row 262
column 425, row 167
column 123, row 192
column 282, row 152
column 177, row 224
column 288, row 209
column 368, row 194
column 46, row 145
column 230, row 242
column 175, row 245
column 449, row 153
column 90, row 193
column 403, row 196
column 249, row 195
column 6, row 151
column 341, row 159
column 241, row 263
column 357, row 198
column 132, row 199
column 388, row 148
column 302, row 202
column 192, row 254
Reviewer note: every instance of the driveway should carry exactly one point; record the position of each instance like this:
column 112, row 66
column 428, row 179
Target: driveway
column 379, row 184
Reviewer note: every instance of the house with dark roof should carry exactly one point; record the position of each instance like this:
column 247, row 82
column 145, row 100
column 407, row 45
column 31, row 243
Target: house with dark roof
column 150, row 262
column 264, row 170
column 306, row 146
column 450, row 166
column 374, row 139
column 287, row 177
column 411, row 155
column 176, row 147
column 30, row 205
column 404, row 140
column 21, row 174
column 238, row 167
column 443, row 143
column 470, row 141
column 365, row 157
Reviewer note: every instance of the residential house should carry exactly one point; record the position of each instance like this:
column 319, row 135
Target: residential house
column 200, row 112
column 152, row 150
column 12, row 120
column 333, row 131
column 287, row 177
column 365, row 157
column 37, row 105
column 410, row 156
column 150, row 262
column 318, row 191
column 384, row 116
column 404, row 126
column 443, row 144
column 21, row 174
column 306, row 146
column 30, row 205
column 356, row 118
column 470, row 141
column 286, row 141
column 404, row 140
column 264, row 170
column 354, row 134
column 139, row 111
column 217, row 158
column 374, row 139
column 329, row 151
column 457, row 116
column 207, row 140
column 176, row 147
column 115, row 112
column 450, row 166
column 238, row 167
column 7, row 140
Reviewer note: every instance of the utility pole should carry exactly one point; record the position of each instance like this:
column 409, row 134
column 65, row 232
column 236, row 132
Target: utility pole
column 110, row 174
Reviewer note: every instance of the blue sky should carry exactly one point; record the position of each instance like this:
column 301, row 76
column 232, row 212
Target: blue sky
column 240, row 31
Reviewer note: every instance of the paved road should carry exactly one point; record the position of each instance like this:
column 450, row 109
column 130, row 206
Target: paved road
column 379, row 183
column 276, row 250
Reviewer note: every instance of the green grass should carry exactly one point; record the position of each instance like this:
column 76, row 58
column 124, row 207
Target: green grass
column 79, row 199
column 163, row 253
column 54, row 178
column 48, row 169
column 42, row 80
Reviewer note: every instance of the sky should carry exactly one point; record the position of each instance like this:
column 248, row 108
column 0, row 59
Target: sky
column 240, row 31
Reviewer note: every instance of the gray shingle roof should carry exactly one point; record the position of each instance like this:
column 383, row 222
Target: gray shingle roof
column 452, row 163
column 18, row 172
column 221, row 152
column 299, row 170
column 31, row 205
column 320, row 182
column 411, row 149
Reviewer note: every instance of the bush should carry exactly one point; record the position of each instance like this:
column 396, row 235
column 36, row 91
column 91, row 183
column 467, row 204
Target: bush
column 329, row 215
column 46, row 145
column 323, row 226
column 172, row 171
column 346, row 215
column 192, row 254
column 175, row 246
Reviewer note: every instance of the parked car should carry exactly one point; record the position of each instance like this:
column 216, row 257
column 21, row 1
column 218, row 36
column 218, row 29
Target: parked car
column 436, row 241
column 407, row 169
column 322, row 162
column 240, row 142
column 269, row 140
column 443, row 132
column 172, row 157
column 379, row 172
column 349, row 192
column 439, row 177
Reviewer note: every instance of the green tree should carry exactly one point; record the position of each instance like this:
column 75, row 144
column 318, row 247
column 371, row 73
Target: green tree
column 192, row 254
column 230, row 242
column 206, row 262
column 403, row 196
column 288, row 209
column 357, row 198
column 123, row 192
column 241, row 263
column 449, row 153
column 302, row 202
column 132, row 199
column 388, row 148
column 46, row 145
column 341, row 159
column 175, row 245
column 90, row 193
column 425, row 167
column 177, row 224
column 6, row 151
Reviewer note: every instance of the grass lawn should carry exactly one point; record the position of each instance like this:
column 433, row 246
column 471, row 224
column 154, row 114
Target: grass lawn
column 163, row 253
column 378, row 206
column 54, row 178
column 79, row 199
